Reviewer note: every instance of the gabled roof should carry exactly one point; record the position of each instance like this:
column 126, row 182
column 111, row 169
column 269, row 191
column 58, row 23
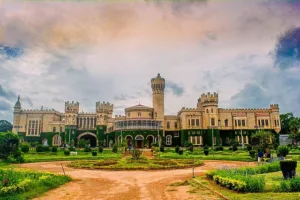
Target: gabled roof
column 139, row 107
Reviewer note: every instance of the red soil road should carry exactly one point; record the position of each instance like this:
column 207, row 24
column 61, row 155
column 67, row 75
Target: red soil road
column 122, row 185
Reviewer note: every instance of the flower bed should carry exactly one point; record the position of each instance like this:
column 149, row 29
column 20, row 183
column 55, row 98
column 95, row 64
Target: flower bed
column 131, row 164
column 243, row 179
column 26, row 184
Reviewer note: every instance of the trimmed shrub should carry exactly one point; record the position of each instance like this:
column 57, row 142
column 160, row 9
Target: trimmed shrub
column 87, row 149
column 162, row 149
column 180, row 151
column 54, row 149
column 288, row 168
column 177, row 149
column 67, row 152
column 94, row 153
column 72, row 148
column 234, row 147
column 187, row 143
column 205, row 147
column 115, row 149
column 41, row 148
column 190, row 148
column 206, row 151
column 249, row 147
column 219, row 148
column 25, row 148
column 100, row 149
column 295, row 184
column 283, row 151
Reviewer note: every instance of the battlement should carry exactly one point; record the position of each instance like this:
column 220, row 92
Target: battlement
column 208, row 99
column 274, row 106
column 104, row 107
column 120, row 117
column 243, row 110
column 40, row 111
column 72, row 107
column 158, row 84
column 184, row 109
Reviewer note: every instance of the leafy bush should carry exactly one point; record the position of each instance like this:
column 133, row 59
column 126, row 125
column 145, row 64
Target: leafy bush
column 190, row 148
column 219, row 148
column 115, row 149
column 25, row 148
column 54, row 149
column 67, row 152
column 283, row 151
column 155, row 144
column 87, row 149
column 9, row 142
column 42, row 148
column 72, row 148
column 205, row 147
column 162, row 149
column 100, row 149
column 177, row 149
column 206, row 151
column 288, row 168
column 252, row 153
column 295, row 184
column 249, row 147
column 187, row 143
column 82, row 143
column 94, row 153
column 180, row 152
column 136, row 154
column 234, row 147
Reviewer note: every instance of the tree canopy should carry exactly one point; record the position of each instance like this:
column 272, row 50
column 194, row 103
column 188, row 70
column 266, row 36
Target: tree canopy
column 289, row 123
column 9, row 143
column 5, row 126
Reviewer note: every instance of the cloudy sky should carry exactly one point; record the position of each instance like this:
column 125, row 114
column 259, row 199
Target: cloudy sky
column 247, row 51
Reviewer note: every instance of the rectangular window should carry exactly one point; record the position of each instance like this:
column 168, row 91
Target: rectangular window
column 258, row 122
column 175, row 124
column 243, row 122
column 275, row 122
column 60, row 129
column 168, row 124
column 189, row 122
column 263, row 122
column 194, row 139
column 197, row 122
column 239, row 122
column 267, row 122
column 235, row 122
column 193, row 122
column 54, row 129
column 176, row 134
column 198, row 140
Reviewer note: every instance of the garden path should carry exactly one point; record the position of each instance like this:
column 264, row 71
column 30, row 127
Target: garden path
column 123, row 185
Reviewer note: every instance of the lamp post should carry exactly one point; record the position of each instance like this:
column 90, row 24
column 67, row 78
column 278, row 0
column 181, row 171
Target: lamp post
column 122, row 124
column 242, row 139
column 158, row 134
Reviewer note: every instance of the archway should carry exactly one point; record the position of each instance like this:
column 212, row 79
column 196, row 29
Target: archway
column 90, row 137
column 150, row 140
column 129, row 140
column 139, row 141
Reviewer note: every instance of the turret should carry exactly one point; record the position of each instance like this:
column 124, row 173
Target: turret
column 71, row 113
column 209, row 105
column 104, row 112
column 158, row 88
column 17, row 113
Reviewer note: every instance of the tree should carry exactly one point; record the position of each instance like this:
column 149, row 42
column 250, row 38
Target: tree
column 5, row 126
column 9, row 144
column 262, row 139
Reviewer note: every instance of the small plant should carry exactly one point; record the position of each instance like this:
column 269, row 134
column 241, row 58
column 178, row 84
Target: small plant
column 100, row 149
column 252, row 153
column 206, row 151
column 25, row 148
column 190, row 148
column 180, row 151
column 87, row 149
column 115, row 149
column 162, row 149
column 205, row 147
column 234, row 147
column 136, row 154
column 249, row 147
column 177, row 149
column 67, row 152
column 283, row 151
column 94, row 153
column 288, row 168
column 54, row 149
column 219, row 148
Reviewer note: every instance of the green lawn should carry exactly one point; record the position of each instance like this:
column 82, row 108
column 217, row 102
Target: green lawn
column 59, row 156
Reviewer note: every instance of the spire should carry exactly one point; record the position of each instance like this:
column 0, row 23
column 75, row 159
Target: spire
column 18, row 103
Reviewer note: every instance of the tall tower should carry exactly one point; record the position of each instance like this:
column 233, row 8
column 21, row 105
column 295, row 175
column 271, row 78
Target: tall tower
column 17, row 113
column 158, row 88
column 209, row 105
column 71, row 113
column 104, row 112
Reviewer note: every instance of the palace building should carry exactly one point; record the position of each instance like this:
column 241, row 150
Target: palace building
column 205, row 124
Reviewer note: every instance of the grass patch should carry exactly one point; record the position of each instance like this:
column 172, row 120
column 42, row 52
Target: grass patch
column 26, row 184
column 180, row 183
column 130, row 164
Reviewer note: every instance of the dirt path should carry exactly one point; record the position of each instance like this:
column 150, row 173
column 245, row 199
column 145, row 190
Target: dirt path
column 121, row 185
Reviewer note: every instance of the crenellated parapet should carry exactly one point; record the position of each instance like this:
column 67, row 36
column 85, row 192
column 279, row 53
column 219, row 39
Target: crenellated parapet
column 208, row 99
column 71, row 107
column 104, row 107
column 184, row 109
column 229, row 110
column 120, row 117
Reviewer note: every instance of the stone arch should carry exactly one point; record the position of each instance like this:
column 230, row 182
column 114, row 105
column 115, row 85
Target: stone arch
column 86, row 135
column 150, row 140
column 129, row 139
column 56, row 140
column 139, row 141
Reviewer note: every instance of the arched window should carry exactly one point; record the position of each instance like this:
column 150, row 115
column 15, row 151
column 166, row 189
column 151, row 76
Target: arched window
column 56, row 140
column 168, row 140
column 212, row 110
column 175, row 124
column 139, row 114
column 168, row 124
column 212, row 121
column 206, row 110
column 54, row 129
column 226, row 122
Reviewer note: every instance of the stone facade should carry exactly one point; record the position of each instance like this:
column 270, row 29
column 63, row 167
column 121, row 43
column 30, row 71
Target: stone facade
column 142, row 125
